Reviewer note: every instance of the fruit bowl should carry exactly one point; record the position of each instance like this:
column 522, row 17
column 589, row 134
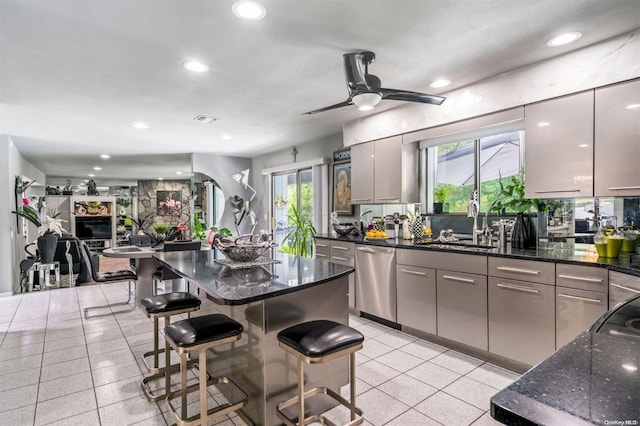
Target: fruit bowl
column 343, row 230
column 245, row 248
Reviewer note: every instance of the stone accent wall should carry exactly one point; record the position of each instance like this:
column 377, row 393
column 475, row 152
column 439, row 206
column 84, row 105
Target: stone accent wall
column 148, row 201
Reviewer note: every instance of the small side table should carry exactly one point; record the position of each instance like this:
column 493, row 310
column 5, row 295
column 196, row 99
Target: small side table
column 44, row 274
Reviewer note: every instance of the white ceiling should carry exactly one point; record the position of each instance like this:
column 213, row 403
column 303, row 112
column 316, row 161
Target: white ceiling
column 75, row 75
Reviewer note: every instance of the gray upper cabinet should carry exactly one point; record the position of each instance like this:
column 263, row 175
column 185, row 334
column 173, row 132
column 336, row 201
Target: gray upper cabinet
column 617, row 140
column 559, row 147
column 384, row 172
column 362, row 173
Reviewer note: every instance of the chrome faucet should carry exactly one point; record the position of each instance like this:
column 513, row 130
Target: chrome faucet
column 473, row 208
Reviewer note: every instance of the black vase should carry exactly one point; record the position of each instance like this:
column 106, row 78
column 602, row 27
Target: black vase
column 47, row 247
column 437, row 208
column 523, row 235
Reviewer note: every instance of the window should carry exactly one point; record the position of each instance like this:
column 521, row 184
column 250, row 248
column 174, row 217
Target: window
column 456, row 169
column 291, row 189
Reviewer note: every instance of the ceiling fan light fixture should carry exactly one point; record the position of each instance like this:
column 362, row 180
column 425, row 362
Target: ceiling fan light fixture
column 366, row 108
column 367, row 99
column 195, row 66
column 249, row 10
column 563, row 39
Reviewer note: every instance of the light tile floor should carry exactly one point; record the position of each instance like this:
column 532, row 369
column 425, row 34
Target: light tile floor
column 58, row 368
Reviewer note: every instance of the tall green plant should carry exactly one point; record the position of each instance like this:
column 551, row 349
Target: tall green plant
column 299, row 241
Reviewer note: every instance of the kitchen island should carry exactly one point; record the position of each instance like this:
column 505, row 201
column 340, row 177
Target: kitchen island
column 266, row 299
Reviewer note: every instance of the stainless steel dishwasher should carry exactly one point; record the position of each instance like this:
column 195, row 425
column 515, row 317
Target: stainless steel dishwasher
column 376, row 281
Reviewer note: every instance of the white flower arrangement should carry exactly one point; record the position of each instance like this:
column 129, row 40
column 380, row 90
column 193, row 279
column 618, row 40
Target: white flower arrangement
column 51, row 225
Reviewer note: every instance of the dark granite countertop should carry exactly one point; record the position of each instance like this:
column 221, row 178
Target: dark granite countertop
column 594, row 379
column 241, row 286
column 580, row 254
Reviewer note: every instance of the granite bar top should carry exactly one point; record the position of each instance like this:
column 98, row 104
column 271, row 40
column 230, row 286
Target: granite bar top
column 580, row 254
column 593, row 379
column 229, row 286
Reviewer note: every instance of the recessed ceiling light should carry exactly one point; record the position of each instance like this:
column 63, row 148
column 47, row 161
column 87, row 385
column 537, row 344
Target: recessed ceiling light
column 141, row 126
column 249, row 10
column 366, row 108
column 583, row 145
column 105, row 156
column 91, row 175
column 85, row 180
column 440, row 83
column 160, row 178
column 543, row 124
column 97, row 168
column 563, row 39
column 195, row 66
column 632, row 106
column 226, row 137
column 178, row 173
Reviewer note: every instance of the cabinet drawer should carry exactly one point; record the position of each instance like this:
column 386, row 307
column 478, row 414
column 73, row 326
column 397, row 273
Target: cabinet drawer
column 525, row 270
column 342, row 248
column 417, row 297
column 582, row 277
column 341, row 260
column 462, row 308
column 576, row 311
column 466, row 263
column 521, row 320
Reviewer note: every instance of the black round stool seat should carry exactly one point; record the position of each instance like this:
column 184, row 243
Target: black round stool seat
column 169, row 302
column 320, row 338
column 204, row 329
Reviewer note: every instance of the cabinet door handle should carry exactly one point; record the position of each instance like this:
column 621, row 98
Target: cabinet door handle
column 556, row 190
column 585, row 299
column 366, row 250
column 422, row 274
column 578, row 278
column 320, row 255
column 518, row 270
column 459, row 279
column 518, row 288
column 339, row 248
column 361, row 199
column 632, row 290
column 320, row 245
column 339, row 258
column 622, row 188
column 389, row 199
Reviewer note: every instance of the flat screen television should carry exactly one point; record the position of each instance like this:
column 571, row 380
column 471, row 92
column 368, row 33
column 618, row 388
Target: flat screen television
column 93, row 228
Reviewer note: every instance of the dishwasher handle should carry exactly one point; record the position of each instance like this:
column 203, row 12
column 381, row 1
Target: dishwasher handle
column 375, row 250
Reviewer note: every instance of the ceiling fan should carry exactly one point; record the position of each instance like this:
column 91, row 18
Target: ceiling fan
column 364, row 88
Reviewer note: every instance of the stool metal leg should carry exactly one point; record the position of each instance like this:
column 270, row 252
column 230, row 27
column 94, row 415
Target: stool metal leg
column 86, row 310
column 301, row 391
column 203, row 387
column 352, row 383
column 183, row 384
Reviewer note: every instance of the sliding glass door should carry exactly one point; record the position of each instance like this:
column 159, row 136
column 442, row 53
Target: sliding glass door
column 291, row 189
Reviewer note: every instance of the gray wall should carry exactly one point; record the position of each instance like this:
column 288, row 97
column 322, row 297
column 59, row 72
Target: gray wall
column 11, row 248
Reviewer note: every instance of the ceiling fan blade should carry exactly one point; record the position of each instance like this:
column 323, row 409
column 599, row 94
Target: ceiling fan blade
column 341, row 104
column 405, row 95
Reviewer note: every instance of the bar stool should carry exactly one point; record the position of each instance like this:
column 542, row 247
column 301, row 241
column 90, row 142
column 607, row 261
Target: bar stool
column 156, row 307
column 316, row 342
column 196, row 335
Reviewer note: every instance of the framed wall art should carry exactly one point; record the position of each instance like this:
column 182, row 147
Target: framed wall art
column 169, row 203
column 342, row 189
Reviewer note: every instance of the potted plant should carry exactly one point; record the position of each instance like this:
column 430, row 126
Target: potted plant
column 439, row 195
column 47, row 230
column 513, row 200
column 300, row 240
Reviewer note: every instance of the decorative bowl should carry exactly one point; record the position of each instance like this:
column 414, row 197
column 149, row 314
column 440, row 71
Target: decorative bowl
column 343, row 229
column 246, row 248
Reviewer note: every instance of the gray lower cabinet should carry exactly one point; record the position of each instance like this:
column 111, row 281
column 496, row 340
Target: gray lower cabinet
column 521, row 320
column 576, row 311
column 342, row 252
column 417, row 297
column 581, row 298
column 462, row 308
column 622, row 287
